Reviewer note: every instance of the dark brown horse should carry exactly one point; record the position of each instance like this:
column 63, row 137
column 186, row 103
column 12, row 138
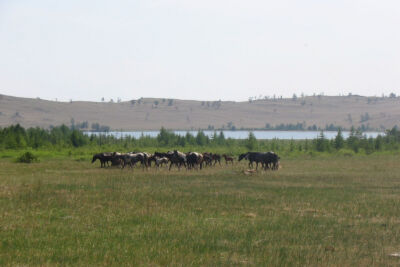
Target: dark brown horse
column 216, row 158
column 227, row 159
column 207, row 159
column 104, row 158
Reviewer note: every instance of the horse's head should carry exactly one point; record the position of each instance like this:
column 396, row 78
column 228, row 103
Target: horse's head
column 94, row 158
column 243, row 156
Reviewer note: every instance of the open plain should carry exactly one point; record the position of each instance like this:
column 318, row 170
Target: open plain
column 327, row 211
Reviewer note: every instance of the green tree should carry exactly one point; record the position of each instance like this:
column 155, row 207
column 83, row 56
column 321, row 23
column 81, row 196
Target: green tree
column 77, row 138
column 251, row 142
column 201, row 138
column 322, row 143
column 163, row 137
column 339, row 140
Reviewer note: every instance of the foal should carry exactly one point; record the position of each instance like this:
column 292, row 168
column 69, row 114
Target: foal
column 227, row 158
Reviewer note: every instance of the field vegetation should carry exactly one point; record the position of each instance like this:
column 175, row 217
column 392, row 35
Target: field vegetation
column 328, row 210
column 62, row 138
column 332, row 203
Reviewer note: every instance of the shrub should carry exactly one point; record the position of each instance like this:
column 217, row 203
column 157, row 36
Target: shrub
column 346, row 153
column 27, row 157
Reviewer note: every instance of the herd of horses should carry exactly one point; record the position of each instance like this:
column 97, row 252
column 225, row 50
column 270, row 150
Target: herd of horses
column 190, row 160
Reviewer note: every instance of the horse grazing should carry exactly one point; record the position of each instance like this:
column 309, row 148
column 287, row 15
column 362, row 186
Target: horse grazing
column 103, row 157
column 227, row 159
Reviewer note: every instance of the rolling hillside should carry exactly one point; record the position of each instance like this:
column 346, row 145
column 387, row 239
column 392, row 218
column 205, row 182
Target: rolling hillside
column 151, row 113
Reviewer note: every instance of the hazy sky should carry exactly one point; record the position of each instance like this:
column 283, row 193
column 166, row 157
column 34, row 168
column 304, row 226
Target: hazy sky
column 227, row 49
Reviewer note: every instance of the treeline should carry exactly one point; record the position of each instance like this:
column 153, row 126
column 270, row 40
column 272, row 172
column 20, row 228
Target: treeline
column 292, row 127
column 17, row 137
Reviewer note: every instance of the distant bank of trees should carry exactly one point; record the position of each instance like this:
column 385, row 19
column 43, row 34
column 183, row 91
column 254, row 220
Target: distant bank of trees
column 17, row 137
column 294, row 127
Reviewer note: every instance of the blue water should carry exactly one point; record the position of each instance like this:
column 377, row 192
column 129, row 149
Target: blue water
column 296, row 135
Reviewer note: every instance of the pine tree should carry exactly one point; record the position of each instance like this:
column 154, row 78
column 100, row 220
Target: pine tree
column 339, row 140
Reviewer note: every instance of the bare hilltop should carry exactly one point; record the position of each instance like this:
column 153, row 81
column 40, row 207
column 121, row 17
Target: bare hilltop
column 153, row 113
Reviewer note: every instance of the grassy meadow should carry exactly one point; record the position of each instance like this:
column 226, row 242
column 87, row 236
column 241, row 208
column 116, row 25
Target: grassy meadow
column 325, row 211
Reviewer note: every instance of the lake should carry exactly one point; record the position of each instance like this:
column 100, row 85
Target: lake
column 296, row 135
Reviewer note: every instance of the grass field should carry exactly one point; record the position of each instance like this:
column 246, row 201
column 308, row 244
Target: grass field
column 312, row 212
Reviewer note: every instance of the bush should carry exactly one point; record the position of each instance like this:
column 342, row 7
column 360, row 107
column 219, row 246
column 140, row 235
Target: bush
column 346, row 153
column 27, row 157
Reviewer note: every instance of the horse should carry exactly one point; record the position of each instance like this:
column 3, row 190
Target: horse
column 194, row 159
column 148, row 156
column 271, row 160
column 151, row 158
column 177, row 158
column 160, row 161
column 256, row 157
column 268, row 160
column 207, row 158
column 162, row 154
column 132, row 159
column 103, row 157
column 216, row 158
column 227, row 158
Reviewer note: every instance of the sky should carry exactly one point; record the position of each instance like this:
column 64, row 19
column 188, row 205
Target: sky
column 203, row 50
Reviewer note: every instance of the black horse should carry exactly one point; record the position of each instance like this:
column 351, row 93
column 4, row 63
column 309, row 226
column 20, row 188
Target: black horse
column 251, row 157
column 271, row 161
column 268, row 160
column 194, row 159
column 104, row 158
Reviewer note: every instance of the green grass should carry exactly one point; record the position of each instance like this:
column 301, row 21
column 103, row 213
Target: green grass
column 340, row 211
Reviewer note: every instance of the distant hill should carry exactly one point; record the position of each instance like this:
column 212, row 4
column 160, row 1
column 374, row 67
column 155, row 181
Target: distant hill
column 152, row 113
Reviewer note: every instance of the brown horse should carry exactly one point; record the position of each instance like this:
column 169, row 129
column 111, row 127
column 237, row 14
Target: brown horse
column 228, row 159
